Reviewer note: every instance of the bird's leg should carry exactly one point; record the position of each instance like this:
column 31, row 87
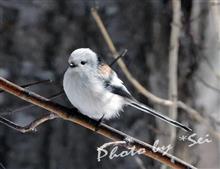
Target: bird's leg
column 98, row 123
column 128, row 141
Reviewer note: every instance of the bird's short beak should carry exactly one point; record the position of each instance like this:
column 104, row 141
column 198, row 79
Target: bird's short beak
column 73, row 65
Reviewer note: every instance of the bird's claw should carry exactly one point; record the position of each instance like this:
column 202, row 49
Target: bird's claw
column 129, row 141
column 98, row 123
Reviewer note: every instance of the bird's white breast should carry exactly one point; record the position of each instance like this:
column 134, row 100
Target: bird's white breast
column 87, row 93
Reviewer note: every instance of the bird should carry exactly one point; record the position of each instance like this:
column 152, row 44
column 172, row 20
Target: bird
column 96, row 91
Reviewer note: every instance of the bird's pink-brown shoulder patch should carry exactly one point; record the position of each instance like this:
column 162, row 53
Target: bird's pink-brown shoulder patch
column 105, row 70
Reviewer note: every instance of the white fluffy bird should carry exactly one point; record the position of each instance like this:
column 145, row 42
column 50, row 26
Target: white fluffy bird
column 96, row 91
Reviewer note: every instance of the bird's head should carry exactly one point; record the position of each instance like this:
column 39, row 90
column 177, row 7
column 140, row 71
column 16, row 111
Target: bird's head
column 83, row 59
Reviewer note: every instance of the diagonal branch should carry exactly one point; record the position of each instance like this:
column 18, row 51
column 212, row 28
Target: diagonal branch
column 33, row 83
column 19, row 109
column 104, row 130
column 29, row 128
column 122, row 54
column 194, row 114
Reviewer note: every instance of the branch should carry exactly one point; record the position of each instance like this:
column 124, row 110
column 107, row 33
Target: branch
column 76, row 117
column 29, row 128
column 139, row 87
column 173, row 64
column 10, row 112
column 122, row 54
column 32, row 84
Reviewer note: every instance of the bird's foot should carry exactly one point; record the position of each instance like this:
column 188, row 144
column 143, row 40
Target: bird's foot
column 98, row 123
column 129, row 141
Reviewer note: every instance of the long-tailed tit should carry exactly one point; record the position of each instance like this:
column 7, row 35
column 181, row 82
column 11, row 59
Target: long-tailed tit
column 96, row 91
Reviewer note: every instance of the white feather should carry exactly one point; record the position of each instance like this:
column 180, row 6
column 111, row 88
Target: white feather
column 87, row 92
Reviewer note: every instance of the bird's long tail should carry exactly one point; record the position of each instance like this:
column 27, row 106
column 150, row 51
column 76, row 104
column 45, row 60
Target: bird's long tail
column 148, row 110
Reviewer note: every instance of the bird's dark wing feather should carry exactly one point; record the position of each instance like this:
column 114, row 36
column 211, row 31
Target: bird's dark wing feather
column 119, row 90
column 112, row 82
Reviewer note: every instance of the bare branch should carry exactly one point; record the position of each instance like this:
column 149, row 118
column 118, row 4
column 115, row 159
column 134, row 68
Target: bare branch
column 119, row 56
column 29, row 128
column 89, row 123
column 173, row 64
column 10, row 112
column 32, row 83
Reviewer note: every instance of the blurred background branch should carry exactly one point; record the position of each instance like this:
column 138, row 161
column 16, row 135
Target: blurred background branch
column 32, row 127
column 173, row 64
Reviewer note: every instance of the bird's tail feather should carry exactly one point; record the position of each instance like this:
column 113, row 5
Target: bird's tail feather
column 148, row 110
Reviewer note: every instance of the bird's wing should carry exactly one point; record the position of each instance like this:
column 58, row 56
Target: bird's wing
column 112, row 82
column 115, row 85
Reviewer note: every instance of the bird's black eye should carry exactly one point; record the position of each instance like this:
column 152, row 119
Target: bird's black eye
column 83, row 62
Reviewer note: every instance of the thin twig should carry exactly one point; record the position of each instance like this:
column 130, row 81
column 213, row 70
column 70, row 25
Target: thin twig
column 139, row 87
column 10, row 112
column 119, row 56
column 32, row 84
column 29, row 128
column 89, row 123
column 173, row 64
